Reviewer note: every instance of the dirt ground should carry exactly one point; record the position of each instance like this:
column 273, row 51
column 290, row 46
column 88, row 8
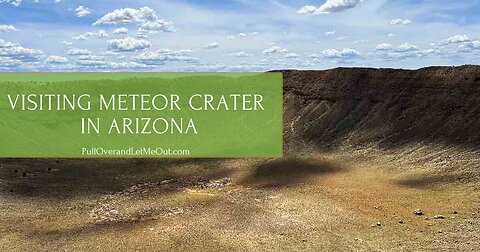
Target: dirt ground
column 360, row 200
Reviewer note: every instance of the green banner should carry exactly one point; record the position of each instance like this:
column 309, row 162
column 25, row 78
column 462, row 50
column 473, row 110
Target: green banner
column 141, row 115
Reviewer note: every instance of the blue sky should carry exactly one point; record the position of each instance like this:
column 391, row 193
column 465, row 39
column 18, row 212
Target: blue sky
column 235, row 35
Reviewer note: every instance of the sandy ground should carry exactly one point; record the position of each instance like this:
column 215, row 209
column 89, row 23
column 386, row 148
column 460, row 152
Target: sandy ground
column 341, row 201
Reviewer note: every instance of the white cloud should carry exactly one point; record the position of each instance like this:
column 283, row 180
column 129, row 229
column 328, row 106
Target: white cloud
column 162, row 56
column 90, row 57
column 78, row 51
column 242, row 35
column 475, row 44
column 101, row 34
column 291, row 55
column 128, row 65
column 330, row 33
column 16, row 51
column 329, row 6
column 55, row 59
column 361, row 41
column 384, row 46
column 407, row 47
column 9, row 63
column 274, row 50
column 457, row 39
column 400, row 21
column 128, row 44
column 159, row 25
column 127, row 15
column 240, row 54
column 110, row 53
column 122, row 30
column 15, row 3
column 142, row 34
column 206, row 68
column 345, row 53
column 405, row 51
column 470, row 45
column 79, row 37
column 212, row 45
column 7, row 28
column 391, row 35
column 82, row 11
column 66, row 43
column 92, row 63
column 85, row 36
column 6, row 44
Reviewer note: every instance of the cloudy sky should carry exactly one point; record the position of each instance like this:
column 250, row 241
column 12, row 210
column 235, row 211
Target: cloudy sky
column 236, row 35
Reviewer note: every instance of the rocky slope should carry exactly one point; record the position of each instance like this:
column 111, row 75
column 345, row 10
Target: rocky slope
column 382, row 107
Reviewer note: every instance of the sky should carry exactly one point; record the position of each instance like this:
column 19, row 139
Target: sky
column 235, row 35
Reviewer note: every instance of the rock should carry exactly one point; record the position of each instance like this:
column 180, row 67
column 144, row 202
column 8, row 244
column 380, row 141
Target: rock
column 379, row 224
column 24, row 174
column 215, row 183
column 455, row 212
column 439, row 217
column 167, row 181
column 175, row 210
column 400, row 221
column 418, row 212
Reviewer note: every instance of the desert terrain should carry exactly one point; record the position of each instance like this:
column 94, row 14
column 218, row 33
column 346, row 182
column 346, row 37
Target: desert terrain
column 374, row 160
